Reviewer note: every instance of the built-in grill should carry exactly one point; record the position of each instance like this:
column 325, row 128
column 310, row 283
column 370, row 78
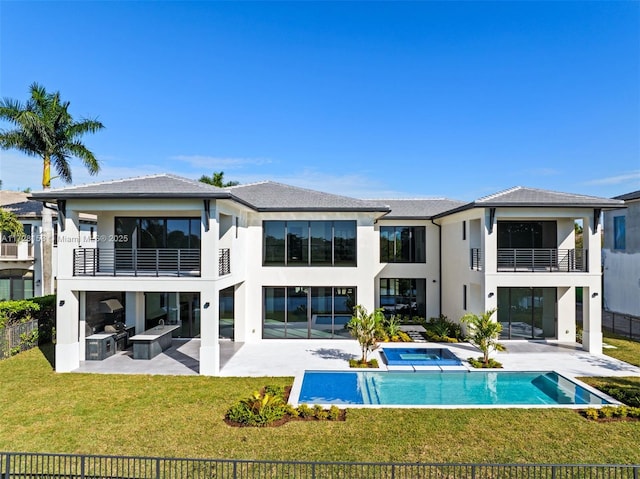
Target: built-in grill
column 113, row 314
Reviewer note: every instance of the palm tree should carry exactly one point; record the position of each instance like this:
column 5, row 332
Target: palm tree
column 217, row 179
column 43, row 127
column 484, row 333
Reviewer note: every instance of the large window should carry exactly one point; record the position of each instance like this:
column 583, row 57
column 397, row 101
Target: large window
column 309, row 243
column 303, row 312
column 402, row 244
column 527, row 234
column 403, row 296
column 16, row 284
column 157, row 233
column 619, row 232
column 527, row 313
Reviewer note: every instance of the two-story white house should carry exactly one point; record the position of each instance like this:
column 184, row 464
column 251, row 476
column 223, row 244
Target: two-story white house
column 267, row 260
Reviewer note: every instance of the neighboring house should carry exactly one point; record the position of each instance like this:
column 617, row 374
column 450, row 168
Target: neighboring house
column 621, row 256
column 21, row 259
column 266, row 260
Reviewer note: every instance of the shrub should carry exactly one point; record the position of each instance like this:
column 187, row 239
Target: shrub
column 304, row 411
column 357, row 363
column 258, row 410
column 630, row 395
column 479, row 363
column 319, row 412
column 334, row 413
column 440, row 329
column 592, row 414
column 17, row 311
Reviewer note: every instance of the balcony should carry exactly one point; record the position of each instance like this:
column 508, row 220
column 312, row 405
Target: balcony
column 16, row 251
column 224, row 261
column 534, row 260
column 136, row 262
column 542, row 260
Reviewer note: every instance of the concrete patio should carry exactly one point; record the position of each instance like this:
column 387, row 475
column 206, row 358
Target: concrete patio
column 291, row 358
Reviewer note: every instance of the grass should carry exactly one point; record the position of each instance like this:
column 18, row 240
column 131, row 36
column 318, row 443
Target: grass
column 624, row 349
column 181, row 416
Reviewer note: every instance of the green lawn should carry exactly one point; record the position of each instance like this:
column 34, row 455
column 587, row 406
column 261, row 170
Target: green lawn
column 624, row 349
column 43, row 411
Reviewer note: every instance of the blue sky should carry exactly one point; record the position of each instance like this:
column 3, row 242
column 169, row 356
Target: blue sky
column 367, row 99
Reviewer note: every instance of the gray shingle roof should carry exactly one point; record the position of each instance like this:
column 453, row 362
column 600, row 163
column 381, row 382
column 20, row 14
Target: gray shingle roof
column 153, row 186
column 20, row 205
column 421, row 208
column 272, row 196
column 521, row 196
column 634, row 195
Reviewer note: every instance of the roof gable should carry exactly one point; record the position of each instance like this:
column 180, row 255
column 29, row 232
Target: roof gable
column 272, row 196
column 153, row 186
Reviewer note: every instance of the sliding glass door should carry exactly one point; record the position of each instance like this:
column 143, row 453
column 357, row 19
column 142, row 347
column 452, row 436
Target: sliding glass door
column 527, row 313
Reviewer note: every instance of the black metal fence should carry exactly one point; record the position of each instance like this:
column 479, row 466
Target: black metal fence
column 16, row 338
column 50, row 466
column 622, row 324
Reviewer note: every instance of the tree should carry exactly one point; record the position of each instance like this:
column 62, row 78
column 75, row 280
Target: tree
column 43, row 127
column 363, row 326
column 483, row 332
column 10, row 226
column 217, row 179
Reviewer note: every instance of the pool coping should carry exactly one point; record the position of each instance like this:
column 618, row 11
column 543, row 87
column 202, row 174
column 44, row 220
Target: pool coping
column 296, row 388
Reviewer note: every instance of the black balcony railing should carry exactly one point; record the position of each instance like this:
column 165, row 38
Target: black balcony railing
column 476, row 259
column 136, row 262
column 224, row 261
column 542, row 260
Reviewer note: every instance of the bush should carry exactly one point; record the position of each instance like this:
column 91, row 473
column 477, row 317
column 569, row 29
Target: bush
column 304, row 411
column 269, row 406
column 319, row 412
column 440, row 329
column 479, row 363
column 357, row 363
column 258, row 410
column 17, row 311
column 612, row 412
column 628, row 395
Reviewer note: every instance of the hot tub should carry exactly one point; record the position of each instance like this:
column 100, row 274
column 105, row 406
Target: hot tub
column 420, row 357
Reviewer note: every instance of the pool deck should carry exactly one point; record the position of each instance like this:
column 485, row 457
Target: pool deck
column 292, row 357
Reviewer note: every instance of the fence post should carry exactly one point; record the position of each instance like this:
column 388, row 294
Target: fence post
column 158, row 468
column 7, row 465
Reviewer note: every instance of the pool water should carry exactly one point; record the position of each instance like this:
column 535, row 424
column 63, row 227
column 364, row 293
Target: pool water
column 420, row 357
column 455, row 388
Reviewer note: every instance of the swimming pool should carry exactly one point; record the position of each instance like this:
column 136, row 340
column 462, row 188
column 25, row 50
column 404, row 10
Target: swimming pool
column 433, row 389
column 420, row 357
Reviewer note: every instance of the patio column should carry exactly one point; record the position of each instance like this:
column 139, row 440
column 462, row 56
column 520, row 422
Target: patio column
column 567, row 314
column 67, row 323
column 592, row 320
column 209, row 327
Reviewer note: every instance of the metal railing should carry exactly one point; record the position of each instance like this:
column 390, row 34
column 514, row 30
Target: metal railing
column 71, row 466
column 476, row 259
column 136, row 262
column 9, row 250
column 542, row 259
column 224, row 261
